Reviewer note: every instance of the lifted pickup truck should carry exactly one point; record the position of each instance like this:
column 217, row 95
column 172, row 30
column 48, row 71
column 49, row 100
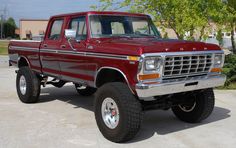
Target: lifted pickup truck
column 122, row 57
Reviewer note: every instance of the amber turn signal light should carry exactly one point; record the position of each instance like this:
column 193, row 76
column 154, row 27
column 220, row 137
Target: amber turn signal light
column 133, row 58
column 216, row 70
column 149, row 76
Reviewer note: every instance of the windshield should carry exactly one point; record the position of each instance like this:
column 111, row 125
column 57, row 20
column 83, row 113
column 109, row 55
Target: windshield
column 122, row 26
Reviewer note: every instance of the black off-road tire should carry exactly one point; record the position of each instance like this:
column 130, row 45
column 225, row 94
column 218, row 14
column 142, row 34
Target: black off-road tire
column 32, row 85
column 130, row 112
column 205, row 101
column 88, row 91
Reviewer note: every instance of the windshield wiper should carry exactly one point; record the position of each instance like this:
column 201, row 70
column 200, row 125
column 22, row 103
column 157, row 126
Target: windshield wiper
column 131, row 36
column 147, row 35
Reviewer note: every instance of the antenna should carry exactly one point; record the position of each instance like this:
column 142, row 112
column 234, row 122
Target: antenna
column 5, row 13
column 3, row 16
column 1, row 26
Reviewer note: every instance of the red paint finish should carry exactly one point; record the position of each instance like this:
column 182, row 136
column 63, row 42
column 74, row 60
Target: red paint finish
column 33, row 56
column 84, row 67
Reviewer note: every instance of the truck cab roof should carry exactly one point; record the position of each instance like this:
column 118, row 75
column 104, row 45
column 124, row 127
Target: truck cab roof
column 101, row 13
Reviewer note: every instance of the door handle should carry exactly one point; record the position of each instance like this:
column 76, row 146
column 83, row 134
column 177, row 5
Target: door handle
column 90, row 47
column 45, row 45
column 63, row 46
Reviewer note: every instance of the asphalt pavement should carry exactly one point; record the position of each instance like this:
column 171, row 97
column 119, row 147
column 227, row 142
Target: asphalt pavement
column 64, row 119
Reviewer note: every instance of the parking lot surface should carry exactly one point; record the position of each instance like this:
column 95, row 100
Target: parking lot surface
column 64, row 119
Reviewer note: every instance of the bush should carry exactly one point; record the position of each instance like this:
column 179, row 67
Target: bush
column 230, row 70
column 230, row 60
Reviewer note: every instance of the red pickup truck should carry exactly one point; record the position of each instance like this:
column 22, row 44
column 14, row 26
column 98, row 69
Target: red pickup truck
column 122, row 57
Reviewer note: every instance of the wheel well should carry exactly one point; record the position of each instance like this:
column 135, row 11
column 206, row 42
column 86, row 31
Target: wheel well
column 22, row 62
column 109, row 75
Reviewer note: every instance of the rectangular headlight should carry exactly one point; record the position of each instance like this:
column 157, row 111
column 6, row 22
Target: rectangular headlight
column 218, row 60
column 152, row 63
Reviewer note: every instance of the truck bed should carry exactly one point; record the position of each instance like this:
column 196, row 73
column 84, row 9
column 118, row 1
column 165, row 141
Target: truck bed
column 25, row 48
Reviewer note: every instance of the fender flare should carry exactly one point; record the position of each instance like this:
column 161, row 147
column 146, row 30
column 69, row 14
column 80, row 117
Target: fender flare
column 23, row 57
column 116, row 69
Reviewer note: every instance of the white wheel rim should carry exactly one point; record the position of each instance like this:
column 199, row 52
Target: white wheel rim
column 110, row 113
column 187, row 108
column 22, row 85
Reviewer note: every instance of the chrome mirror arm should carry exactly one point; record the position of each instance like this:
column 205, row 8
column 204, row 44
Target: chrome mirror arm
column 70, row 34
column 71, row 46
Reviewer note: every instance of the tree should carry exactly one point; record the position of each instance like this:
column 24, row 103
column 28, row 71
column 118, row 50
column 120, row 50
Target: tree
column 165, row 36
column 185, row 17
column 219, row 37
column 231, row 20
column 9, row 28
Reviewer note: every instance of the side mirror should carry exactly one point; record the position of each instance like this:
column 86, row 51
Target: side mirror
column 70, row 33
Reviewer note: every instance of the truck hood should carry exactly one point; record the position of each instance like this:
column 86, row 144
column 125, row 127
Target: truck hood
column 138, row 46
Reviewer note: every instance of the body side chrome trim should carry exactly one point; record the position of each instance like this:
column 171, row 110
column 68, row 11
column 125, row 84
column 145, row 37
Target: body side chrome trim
column 66, row 52
column 48, row 51
column 89, row 54
column 25, row 41
column 23, row 48
column 110, row 56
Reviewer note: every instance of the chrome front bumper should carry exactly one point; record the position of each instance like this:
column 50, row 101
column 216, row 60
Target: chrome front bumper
column 158, row 89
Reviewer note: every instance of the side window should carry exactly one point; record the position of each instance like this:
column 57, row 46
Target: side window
column 56, row 30
column 79, row 24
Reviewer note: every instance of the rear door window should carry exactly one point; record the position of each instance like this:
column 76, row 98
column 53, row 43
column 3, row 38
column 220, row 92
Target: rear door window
column 56, row 28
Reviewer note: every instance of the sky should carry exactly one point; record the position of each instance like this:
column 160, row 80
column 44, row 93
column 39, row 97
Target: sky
column 43, row 9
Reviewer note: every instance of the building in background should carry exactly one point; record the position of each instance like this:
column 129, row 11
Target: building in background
column 30, row 28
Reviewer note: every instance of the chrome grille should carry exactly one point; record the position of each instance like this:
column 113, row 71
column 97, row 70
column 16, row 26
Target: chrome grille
column 186, row 65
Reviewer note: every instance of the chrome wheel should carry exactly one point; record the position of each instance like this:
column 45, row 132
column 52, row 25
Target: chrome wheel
column 187, row 108
column 110, row 113
column 22, row 85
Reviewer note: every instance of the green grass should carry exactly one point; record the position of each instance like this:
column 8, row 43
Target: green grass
column 231, row 86
column 3, row 47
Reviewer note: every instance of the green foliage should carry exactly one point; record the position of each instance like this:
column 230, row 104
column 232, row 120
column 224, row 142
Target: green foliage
column 166, row 36
column 230, row 60
column 230, row 19
column 230, row 70
column 3, row 47
column 180, row 15
column 219, row 37
column 9, row 28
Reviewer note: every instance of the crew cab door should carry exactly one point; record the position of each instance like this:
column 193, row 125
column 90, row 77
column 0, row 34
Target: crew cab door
column 73, row 62
column 49, row 48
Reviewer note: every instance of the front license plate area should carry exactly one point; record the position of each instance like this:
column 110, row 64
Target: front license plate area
column 191, row 84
